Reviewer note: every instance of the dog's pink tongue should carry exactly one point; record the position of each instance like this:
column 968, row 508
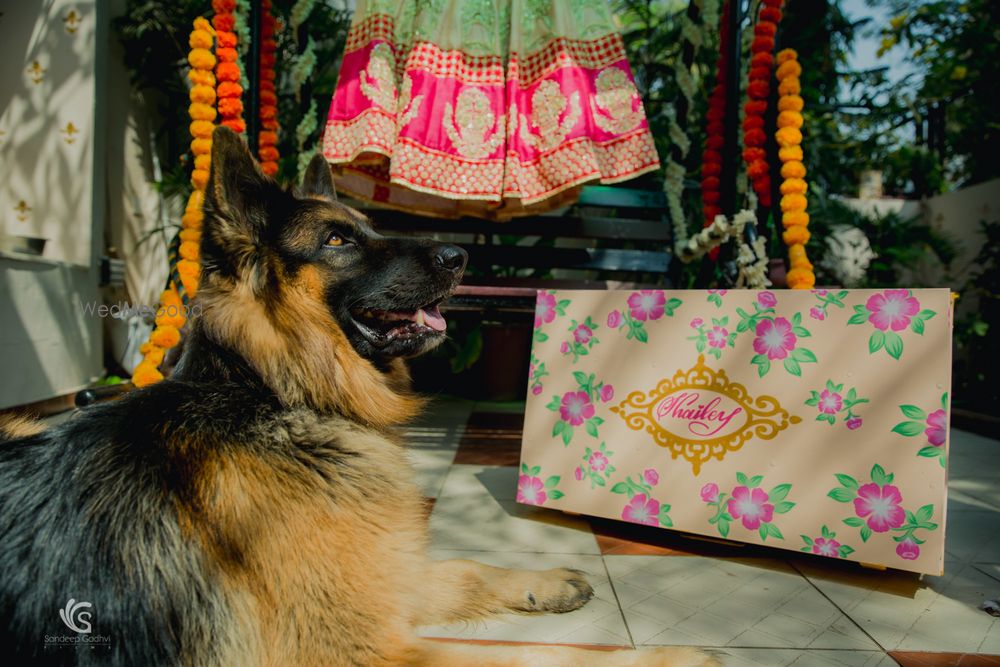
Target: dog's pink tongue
column 433, row 319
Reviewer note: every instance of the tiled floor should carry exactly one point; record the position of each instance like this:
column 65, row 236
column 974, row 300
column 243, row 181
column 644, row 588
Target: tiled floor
column 749, row 605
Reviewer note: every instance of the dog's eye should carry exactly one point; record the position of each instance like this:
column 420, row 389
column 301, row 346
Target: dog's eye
column 336, row 240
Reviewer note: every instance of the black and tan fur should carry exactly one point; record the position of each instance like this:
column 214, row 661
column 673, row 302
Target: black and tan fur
column 256, row 508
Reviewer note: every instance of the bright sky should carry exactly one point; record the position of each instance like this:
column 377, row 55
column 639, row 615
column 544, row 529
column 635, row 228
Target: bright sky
column 867, row 43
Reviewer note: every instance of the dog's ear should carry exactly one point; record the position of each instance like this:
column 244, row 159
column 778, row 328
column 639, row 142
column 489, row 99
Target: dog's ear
column 318, row 182
column 235, row 204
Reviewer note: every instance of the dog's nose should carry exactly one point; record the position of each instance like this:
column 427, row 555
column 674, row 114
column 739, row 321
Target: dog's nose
column 451, row 258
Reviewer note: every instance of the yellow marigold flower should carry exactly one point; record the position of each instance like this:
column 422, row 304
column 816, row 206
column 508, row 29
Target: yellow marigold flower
column 201, row 77
column 788, row 136
column 797, row 257
column 793, row 203
column 192, row 220
column 199, row 177
column 790, row 86
column 793, row 168
column 195, row 201
column 145, row 374
column 790, row 103
column 801, row 279
column 170, row 316
column 202, row 94
column 202, row 162
column 789, row 68
column 200, row 39
column 785, row 55
column 795, row 186
column 201, row 23
column 796, row 234
column 190, row 273
column 201, row 129
column 200, row 111
column 201, row 146
column 201, row 59
column 154, row 355
column 793, row 218
column 165, row 337
column 790, row 119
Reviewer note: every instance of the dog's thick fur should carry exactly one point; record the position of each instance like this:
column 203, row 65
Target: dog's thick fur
column 256, row 508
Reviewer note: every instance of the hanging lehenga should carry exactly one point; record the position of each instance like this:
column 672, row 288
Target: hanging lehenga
column 493, row 108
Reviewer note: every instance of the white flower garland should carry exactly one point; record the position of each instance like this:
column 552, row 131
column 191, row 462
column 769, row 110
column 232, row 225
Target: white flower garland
column 302, row 133
column 303, row 66
column 300, row 12
column 752, row 259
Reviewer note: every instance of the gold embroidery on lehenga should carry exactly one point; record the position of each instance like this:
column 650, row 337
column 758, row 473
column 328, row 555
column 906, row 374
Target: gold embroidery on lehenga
column 615, row 97
column 407, row 108
column 547, row 105
column 378, row 83
column 470, row 122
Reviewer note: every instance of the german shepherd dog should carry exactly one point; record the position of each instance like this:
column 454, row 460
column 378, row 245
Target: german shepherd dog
column 256, row 508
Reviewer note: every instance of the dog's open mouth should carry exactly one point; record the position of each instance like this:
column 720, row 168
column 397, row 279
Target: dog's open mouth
column 383, row 327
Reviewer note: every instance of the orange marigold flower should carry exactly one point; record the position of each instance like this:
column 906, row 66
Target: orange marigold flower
column 193, row 219
column 268, row 153
column 789, row 86
column 790, row 119
column 788, row 136
column 757, row 169
column 202, row 94
column 223, row 6
column 793, row 202
column 794, row 186
column 267, row 138
column 235, row 124
column 797, row 255
column 146, row 374
column 199, row 111
column 192, row 235
column 796, row 234
column 790, row 103
column 793, row 218
column 201, row 146
column 230, row 107
column 199, row 179
column 188, row 250
column 785, row 55
column 200, row 77
column 269, row 124
column 787, row 69
column 230, row 89
column 270, row 168
column 165, row 337
column 792, row 154
column 268, row 97
column 801, row 279
column 201, row 129
column 226, row 54
column 154, row 354
column 227, row 39
column 200, row 39
column 268, row 111
column 202, row 162
column 227, row 72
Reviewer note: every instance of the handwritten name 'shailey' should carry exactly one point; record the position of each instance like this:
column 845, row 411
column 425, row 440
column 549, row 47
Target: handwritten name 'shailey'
column 704, row 419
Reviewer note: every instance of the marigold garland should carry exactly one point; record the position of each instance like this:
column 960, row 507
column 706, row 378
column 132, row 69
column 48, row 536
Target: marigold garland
column 794, row 218
column 267, row 138
column 227, row 72
column 711, row 169
column 170, row 315
column 758, row 89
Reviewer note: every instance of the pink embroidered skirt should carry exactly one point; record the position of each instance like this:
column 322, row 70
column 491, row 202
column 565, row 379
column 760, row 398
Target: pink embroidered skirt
column 494, row 108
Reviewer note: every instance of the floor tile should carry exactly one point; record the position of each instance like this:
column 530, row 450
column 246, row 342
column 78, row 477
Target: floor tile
column 972, row 455
column 598, row 622
column 915, row 659
column 973, row 536
column 431, row 442
column 903, row 611
column 491, row 438
column 974, row 493
column 476, row 510
column 755, row 657
column 727, row 602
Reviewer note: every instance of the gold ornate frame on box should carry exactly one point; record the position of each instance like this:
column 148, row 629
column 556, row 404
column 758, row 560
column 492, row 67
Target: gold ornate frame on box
column 765, row 417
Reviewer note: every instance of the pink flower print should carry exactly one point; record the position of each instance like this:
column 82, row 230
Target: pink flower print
column 767, row 299
column 820, row 292
column 717, row 337
column 536, row 390
column 720, row 292
column 576, row 407
column 697, row 322
column 710, row 492
column 651, row 476
column 578, row 473
column 937, row 427
column 825, row 547
column 642, row 510
column 881, row 505
column 830, row 402
column 530, row 490
column 854, row 423
column 750, row 506
column 647, row 304
column 607, row 393
column 582, row 334
column 564, row 348
column 775, row 339
column 817, row 313
column 597, row 462
column 908, row 549
column 614, row 319
column 545, row 309
column 892, row 309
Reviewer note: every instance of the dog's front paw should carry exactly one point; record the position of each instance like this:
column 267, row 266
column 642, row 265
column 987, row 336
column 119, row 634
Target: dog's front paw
column 558, row 590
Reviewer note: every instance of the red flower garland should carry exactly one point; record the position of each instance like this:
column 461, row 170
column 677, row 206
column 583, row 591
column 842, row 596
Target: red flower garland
column 758, row 89
column 267, row 138
column 711, row 168
column 227, row 72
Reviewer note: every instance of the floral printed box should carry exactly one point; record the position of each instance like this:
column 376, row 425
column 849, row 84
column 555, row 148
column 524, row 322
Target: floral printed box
column 813, row 421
